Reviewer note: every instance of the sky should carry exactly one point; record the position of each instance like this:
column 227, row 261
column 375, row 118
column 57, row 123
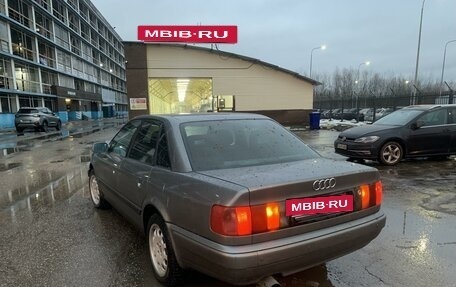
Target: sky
column 283, row 32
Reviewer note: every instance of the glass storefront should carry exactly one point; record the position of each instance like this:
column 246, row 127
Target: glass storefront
column 180, row 95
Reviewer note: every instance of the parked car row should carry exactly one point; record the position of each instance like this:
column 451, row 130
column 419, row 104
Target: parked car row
column 361, row 115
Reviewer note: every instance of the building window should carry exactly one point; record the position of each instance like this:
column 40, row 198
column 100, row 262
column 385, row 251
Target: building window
column 101, row 29
column 89, row 72
column 58, row 10
column 75, row 45
column 94, row 38
column 5, row 104
column 66, row 81
column 23, row 45
column 95, row 57
column 24, row 101
column 47, row 54
column 84, row 11
column 74, row 22
column 8, row 103
column 6, row 78
column 44, row 4
column 61, row 37
column 63, row 61
column 20, row 11
column 89, row 87
column 50, row 103
column 102, row 45
column 43, row 25
column 78, row 67
column 85, row 31
column 86, row 52
column 93, row 19
column 2, row 6
column 27, row 78
column 48, row 79
column 4, row 43
column 79, row 84
column 74, row 4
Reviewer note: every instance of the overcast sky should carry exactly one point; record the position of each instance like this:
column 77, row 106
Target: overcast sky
column 283, row 33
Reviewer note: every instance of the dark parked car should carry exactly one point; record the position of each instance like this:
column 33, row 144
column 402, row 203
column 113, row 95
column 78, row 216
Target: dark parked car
column 415, row 131
column 38, row 118
column 350, row 114
column 235, row 196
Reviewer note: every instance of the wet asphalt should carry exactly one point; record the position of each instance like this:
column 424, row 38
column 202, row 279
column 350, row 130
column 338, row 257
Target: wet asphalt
column 51, row 235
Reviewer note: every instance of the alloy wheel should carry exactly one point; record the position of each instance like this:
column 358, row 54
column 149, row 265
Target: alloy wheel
column 94, row 190
column 391, row 153
column 157, row 249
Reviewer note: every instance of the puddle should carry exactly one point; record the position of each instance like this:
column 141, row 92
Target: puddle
column 47, row 188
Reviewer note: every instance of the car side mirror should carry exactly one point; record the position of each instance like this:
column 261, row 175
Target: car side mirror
column 99, row 147
column 417, row 125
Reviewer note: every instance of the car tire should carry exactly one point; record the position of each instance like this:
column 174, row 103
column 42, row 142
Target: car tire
column 44, row 127
column 58, row 126
column 20, row 130
column 95, row 193
column 165, row 267
column 391, row 153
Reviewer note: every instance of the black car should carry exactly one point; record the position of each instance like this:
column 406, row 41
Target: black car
column 37, row 118
column 414, row 131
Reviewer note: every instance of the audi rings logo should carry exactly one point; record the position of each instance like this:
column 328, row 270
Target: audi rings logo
column 322, row 184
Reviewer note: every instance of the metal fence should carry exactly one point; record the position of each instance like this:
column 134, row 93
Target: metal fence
column 356, row 106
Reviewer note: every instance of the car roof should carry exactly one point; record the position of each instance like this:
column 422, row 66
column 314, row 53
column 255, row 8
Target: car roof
column 196, row 117
column 31, row 108
column 427, row 107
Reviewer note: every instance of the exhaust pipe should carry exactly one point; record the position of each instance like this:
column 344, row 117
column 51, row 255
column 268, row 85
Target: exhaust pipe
column 268, row 282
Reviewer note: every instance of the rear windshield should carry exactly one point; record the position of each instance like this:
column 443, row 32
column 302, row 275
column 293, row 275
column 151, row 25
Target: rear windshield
column 238, row 143
column 27, row 111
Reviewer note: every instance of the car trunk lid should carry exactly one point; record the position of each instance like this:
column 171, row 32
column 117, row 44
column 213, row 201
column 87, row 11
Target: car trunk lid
column 279, row 182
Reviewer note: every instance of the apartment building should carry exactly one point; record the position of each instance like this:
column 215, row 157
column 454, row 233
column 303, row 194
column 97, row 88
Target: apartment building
column 60, row 54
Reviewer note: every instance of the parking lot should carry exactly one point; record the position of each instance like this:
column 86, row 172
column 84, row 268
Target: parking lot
column 52, row 236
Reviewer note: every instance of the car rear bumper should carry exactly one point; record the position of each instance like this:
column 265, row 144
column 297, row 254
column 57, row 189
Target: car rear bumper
column 27, row 125
column 250, row 263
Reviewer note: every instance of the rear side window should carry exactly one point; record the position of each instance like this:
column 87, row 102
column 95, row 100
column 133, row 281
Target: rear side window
column 27, row 111
column 145, row 143
column 434, row 118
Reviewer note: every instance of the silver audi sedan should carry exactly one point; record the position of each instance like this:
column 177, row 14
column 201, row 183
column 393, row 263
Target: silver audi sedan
column 235, row 196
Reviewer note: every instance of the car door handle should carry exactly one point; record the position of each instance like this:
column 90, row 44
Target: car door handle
column 113, row 171
column 141, row 180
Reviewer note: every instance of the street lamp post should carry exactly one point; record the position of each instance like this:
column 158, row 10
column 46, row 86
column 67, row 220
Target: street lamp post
column 443, row 65
column 322, row 47
column 367, row 63
column 418, row 53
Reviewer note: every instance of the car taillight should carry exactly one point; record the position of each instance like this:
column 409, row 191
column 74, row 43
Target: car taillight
column 378, row 193
column 371, row 194
column 231, row 220
column 245, row 220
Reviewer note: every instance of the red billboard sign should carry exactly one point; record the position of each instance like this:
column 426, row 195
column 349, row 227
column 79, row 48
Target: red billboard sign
column 188, row 34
